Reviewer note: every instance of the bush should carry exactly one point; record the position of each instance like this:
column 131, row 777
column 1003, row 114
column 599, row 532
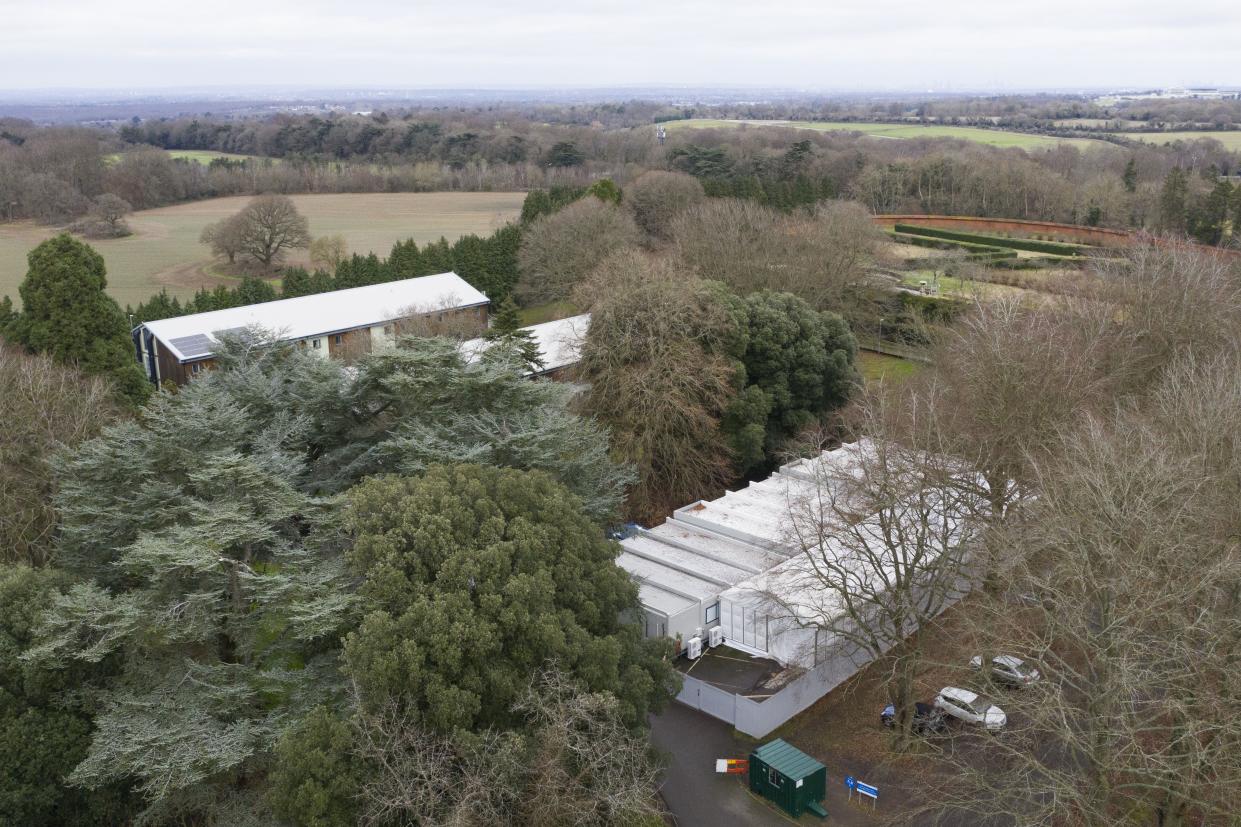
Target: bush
column 1052, row 247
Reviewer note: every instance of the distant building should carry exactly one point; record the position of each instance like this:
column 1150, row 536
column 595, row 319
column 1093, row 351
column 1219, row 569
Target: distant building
column 559, row 342
column 338, row 323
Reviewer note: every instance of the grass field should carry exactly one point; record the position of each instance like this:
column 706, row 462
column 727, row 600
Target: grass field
column 1230, row 139
column 992, row 137
column 206, row 156
column 877, row 366
column 164, row 249
column 550, row 312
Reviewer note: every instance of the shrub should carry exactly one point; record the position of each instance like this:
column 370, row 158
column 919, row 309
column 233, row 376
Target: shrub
column 1031, row 245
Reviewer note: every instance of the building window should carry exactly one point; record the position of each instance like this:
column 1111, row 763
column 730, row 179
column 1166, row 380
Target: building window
column 713, row 613
column 387, row 330
column 315, row 343
column 338, row 338
column 773, row 777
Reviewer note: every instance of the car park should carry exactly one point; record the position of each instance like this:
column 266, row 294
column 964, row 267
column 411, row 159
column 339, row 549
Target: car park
column 927, row 718
column 971, row 708
column 1009, row 669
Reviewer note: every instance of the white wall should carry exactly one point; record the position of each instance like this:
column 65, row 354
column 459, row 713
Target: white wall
column 382, row 340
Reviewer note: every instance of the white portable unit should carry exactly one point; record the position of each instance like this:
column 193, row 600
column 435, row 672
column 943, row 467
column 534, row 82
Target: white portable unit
column 695, row 648
column 715, row 637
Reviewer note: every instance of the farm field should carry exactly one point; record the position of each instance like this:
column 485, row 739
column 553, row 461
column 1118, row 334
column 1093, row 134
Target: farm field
column 1231, row 139
column 164, row 249
column 992, row 137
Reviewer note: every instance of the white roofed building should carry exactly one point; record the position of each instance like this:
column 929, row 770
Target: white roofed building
column 330, row 324
column 720, row 562
column 559, row 343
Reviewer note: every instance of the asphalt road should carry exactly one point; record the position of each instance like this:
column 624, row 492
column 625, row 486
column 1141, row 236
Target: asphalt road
column 699, row 797
column 696, row 794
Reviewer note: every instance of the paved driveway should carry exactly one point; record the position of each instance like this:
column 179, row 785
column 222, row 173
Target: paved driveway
column 696, row 794
column 699, row 797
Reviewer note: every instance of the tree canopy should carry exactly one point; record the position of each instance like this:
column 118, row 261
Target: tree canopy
column 67, row 315
column 473, row 579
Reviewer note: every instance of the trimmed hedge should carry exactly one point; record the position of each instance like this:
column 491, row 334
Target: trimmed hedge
column 1027, row 244
column 942, row 244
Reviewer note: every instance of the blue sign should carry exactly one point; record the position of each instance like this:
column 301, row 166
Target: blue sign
column 849, row 782
column 867, row 790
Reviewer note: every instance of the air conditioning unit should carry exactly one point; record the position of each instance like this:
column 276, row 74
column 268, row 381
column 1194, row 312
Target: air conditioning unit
column 715, row 637
column 695, row 648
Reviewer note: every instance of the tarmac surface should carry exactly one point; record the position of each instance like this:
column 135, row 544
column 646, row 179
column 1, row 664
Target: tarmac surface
column 700, row 797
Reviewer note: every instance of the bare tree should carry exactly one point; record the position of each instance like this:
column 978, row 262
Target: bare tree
column 658, row 376
column 575, row 763
column 225, row 237
column 328, row 251
column 271, row 227
column 1132, row 580
column 45, row 407
column 443, row 319
column 656, row 198
column 106, row 218
column 561, row 249
column 884, row 536
column 825, row 259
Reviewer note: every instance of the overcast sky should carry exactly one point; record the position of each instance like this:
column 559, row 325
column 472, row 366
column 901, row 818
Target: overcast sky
column 828, row 44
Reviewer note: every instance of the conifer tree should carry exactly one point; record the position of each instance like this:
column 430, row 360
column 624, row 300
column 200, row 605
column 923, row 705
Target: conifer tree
column 1130, row 176
column 67, row 315
column 506, row 332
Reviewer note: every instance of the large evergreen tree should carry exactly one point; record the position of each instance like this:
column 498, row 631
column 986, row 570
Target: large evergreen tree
column 45, row 724
column 799, row 365
column 1172, row 201
column 209, row 586
column 66, row 314
column 474, row 578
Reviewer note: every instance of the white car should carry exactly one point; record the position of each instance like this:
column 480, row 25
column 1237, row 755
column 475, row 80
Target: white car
column 971, row 708
column 1010, row 670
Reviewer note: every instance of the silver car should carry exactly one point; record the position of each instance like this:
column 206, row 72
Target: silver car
column 971, row 708
column 1011, row 670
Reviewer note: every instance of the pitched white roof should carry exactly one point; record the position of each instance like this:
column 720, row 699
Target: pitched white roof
column 319, row 314
column 559, row 341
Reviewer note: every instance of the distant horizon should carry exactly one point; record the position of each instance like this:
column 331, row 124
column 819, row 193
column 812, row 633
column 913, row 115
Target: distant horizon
column 892, row 45
column 318, row 91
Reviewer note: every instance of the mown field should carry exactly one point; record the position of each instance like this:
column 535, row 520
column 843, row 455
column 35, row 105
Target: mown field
column 992, row 137
column 1231, row 139
column 206, row 156
column 164, row 250
column 875, row 367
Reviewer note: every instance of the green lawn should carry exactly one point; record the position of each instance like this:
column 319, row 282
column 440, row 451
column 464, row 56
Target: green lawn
column 206, row 156
column 164, row 250
column 879, row 366
column 550, row 312
column 1230, row 139
column 992, row 137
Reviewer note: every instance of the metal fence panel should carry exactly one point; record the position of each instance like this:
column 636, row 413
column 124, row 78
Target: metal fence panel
column 718, row 703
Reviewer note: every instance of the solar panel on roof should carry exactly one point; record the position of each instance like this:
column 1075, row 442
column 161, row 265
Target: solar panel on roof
column 190, row 346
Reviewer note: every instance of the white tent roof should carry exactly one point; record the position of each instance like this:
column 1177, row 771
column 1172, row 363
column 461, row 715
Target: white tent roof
column 741, row 547
column 193, row 337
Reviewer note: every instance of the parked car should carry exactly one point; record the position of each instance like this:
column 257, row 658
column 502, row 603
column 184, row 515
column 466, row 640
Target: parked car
column 927, row 718
column 1011, row 670
column 971, row 708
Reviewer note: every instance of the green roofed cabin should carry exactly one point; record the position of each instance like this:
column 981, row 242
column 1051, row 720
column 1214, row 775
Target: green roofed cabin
column 789, row 777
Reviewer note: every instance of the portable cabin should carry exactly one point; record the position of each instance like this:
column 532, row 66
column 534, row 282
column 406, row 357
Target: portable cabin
column 791, row 778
